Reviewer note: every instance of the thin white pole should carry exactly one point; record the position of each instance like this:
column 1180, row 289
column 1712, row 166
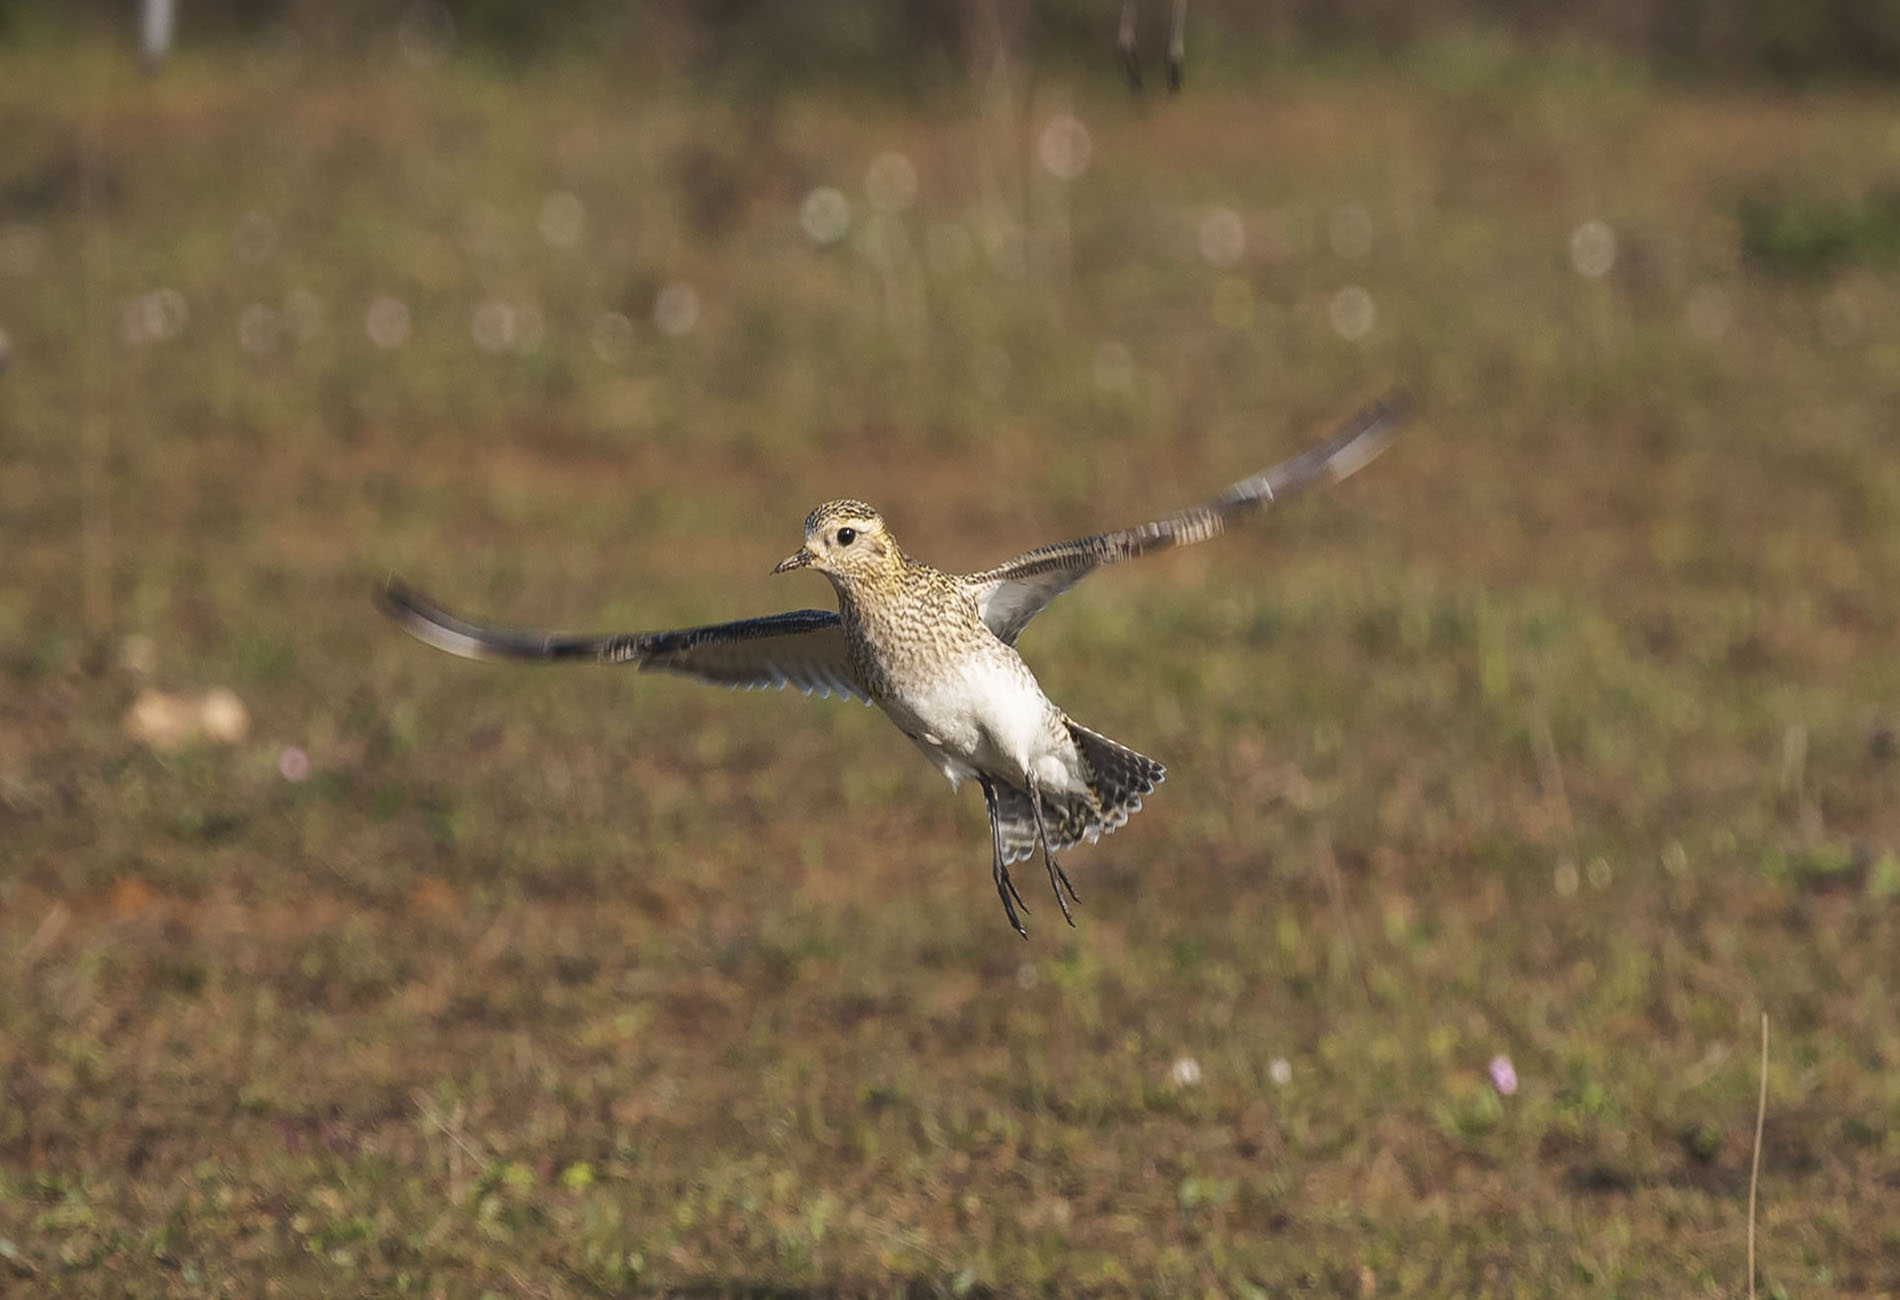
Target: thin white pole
column 156, row 20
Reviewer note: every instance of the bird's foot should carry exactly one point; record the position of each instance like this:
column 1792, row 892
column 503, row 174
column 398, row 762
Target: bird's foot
column 1006, row 890
column 1048, row 855
column 1063, row 876
column 1058, row 881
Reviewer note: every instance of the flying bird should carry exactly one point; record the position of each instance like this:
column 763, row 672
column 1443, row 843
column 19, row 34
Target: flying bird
column 937, row 652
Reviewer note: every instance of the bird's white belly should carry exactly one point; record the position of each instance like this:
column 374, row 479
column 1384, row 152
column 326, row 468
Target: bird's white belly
column 989, row 715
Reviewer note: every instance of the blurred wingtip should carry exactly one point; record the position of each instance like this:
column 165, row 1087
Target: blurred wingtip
column 1398, row 401
column 387, row 595
column 428, row 623
column 1369, row 433
column 402, row 603
column 1402, row 405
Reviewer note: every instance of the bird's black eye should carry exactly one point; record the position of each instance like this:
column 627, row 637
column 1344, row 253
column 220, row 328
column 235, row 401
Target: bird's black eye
column 846, row 536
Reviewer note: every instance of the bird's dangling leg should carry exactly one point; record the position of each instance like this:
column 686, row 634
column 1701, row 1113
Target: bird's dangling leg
column 1005, row 887
column 1128, row 44
column 1056, row 873
column 1177, row 48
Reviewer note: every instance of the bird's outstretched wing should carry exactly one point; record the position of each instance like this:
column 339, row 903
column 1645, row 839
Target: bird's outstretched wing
column 802, row 649
column 1011, row 594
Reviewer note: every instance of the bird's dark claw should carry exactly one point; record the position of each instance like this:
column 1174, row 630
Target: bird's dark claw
column 1006, row 890
column 999, row 871
column 1057, row 877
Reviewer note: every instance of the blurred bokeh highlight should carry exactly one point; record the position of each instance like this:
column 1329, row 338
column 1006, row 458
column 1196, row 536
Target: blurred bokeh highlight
column 1509, row 784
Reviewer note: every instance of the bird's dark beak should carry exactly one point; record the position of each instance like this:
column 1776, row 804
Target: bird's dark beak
column 798, row 559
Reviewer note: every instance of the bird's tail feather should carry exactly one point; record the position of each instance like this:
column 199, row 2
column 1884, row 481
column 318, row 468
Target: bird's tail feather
column 1118, row 775
column 1118, row 778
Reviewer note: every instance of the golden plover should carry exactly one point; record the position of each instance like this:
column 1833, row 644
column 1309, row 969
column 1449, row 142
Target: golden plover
column 937, row 652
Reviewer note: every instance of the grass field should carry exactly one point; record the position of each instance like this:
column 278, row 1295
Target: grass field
column 1565, row 733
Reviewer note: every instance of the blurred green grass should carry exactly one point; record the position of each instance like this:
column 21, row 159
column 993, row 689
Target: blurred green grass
column 1563, row 733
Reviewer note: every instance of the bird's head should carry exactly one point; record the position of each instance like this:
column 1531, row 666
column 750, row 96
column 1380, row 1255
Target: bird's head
column 844, row 540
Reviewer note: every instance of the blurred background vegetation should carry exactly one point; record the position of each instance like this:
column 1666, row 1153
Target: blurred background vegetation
column 1510, row 784
column 760, row 42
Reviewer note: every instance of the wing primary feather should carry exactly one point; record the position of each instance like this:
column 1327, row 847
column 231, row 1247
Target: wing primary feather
column 428, row 622
column 1010, row 595
column 802, row 648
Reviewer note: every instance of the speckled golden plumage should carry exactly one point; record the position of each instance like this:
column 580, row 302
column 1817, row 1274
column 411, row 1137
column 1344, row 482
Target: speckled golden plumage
column 936, row 652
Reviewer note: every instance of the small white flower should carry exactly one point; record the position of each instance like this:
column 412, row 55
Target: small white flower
column 154, row 317
column 676, row 310
column 387, row 322
column 492, row 325
column 1352, row 313
column 825, row 214
column 1063, row 148
column 1222, row 237
column 1593, row 249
